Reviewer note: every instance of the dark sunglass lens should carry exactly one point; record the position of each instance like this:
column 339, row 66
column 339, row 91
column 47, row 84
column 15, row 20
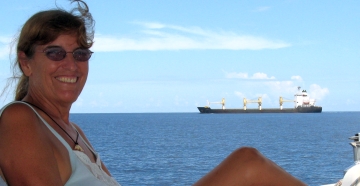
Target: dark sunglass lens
column 82, row 54
column 55, row 54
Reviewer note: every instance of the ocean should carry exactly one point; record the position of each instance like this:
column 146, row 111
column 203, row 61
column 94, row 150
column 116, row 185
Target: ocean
column 179, row 148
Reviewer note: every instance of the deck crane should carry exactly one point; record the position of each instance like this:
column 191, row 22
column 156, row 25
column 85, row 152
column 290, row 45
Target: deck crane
column 222, row 103
column 259, row 101
column 282, row 100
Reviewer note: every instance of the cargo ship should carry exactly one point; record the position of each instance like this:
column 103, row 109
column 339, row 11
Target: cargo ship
column 302, row 104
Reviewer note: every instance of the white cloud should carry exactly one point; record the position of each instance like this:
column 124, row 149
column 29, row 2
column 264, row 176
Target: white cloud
column 5, row 46
column 4, row 52
column 282, row 85
column 280, row 88
column 157, row 36
column 317, row 92
column 260, row 75
column 152, row 25
column 240, row 94
column 5, row 39
column 298, row 78
column 241, row 75
column 288, row 88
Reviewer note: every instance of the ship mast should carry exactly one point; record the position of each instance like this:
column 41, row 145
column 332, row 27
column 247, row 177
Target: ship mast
column 259, row 101
column 282, row 100
column 222, row 103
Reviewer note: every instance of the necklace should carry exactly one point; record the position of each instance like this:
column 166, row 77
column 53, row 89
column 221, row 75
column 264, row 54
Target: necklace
column 77, row 146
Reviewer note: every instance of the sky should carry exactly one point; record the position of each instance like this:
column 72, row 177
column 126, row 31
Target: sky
column 175, row 55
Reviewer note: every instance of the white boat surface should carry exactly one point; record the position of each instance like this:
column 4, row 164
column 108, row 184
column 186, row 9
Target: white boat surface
column 351, row 174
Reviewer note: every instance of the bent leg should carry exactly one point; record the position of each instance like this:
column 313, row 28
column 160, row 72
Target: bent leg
column 246, row 166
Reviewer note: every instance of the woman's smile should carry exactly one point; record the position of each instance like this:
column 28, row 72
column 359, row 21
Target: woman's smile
column 67, row 79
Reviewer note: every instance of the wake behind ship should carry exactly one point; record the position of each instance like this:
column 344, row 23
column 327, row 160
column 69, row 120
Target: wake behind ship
column 303, row 104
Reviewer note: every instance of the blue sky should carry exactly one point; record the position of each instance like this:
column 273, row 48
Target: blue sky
column 172, row 56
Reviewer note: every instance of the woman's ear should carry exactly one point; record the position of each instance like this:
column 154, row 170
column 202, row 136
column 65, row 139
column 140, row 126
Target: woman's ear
column 24, row 63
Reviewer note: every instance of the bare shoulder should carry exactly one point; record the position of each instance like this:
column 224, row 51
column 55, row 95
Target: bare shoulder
column 16, row 115
column 19, row 126
column 17, row 109
column 19, row 120
column 25, row 145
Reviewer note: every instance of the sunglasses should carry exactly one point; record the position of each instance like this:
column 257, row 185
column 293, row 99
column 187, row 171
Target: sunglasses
column 56, row 53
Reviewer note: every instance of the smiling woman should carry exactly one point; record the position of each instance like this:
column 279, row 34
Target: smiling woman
column 52, row 63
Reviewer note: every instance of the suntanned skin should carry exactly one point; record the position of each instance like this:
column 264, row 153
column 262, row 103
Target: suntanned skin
column 246, row 166
column 29, row 153
column 33, row 157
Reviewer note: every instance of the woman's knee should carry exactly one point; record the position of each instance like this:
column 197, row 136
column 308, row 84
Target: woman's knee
column 252, row 162
column 248, row 154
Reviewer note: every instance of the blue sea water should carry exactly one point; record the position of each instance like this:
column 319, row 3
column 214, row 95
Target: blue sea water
column 179, row 148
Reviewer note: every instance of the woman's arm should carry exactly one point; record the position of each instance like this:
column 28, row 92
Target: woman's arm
column 27, row 154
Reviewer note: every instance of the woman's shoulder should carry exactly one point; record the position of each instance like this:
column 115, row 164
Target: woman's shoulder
column 15, row 104
column 16, row 111
column 18, row 117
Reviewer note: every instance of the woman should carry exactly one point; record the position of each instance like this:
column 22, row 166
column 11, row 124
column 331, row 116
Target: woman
column 40, row 146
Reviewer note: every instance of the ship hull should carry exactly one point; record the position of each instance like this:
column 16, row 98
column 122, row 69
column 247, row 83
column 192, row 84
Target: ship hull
column 311, row 109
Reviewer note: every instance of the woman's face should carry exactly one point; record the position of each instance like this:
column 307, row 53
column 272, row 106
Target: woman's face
column 59, row 81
